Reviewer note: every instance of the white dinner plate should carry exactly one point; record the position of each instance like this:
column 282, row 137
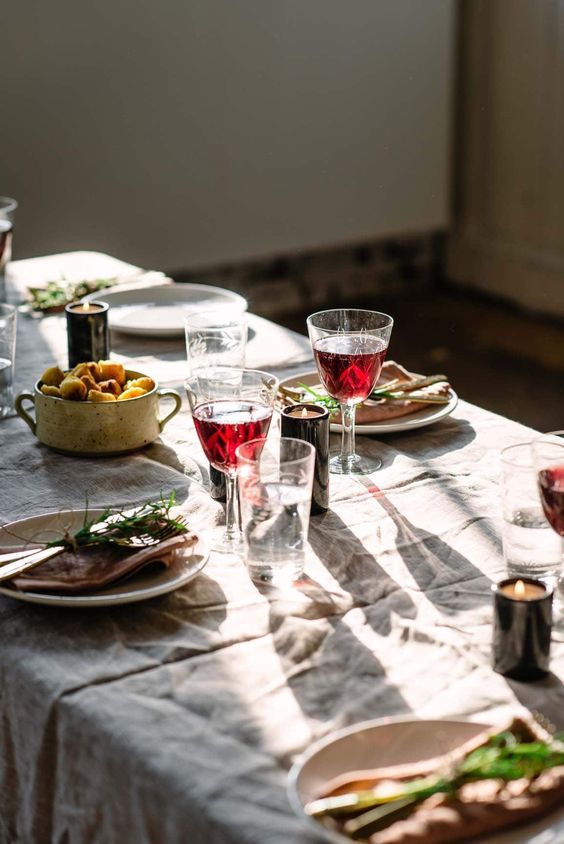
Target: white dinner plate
column 395, row 741
column 426, row 416
column 159, row 310
column 153, row 581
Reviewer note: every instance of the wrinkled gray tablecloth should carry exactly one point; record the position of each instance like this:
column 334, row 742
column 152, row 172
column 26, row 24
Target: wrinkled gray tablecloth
column 176, row 720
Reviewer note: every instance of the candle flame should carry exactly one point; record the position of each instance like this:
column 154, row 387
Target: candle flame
column 304, row 412
column 519, row 589
column 86, row 306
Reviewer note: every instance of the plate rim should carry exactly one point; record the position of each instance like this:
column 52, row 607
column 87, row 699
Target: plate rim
column 337, row 735
column 236, row 298
column 399, row 425
column 96, row 599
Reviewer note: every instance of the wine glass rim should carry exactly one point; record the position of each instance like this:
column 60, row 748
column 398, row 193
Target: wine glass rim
column 352, row 310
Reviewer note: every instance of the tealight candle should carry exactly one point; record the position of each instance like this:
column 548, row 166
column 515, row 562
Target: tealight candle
column 87, row 332
column 310, row 422
column 522, row 628
column 303, row 411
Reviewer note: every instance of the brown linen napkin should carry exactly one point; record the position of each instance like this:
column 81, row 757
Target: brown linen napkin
column 479, row 807
column 380, row 411
column 94, row 567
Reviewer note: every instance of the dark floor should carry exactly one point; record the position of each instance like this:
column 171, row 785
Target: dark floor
column 495, row 355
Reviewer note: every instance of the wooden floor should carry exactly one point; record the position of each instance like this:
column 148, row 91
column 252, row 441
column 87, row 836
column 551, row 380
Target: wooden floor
column 495, row 355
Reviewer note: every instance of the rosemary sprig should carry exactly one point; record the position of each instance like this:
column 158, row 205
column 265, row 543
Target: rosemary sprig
column 503, row 757
column 140, row 525
column 56, row 294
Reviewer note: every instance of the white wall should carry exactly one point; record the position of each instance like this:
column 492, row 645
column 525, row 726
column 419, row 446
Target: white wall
column 184, row 132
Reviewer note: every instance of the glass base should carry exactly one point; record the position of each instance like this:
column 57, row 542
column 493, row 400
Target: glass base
column 357, row 464
column 218, row 541
column 275, row 574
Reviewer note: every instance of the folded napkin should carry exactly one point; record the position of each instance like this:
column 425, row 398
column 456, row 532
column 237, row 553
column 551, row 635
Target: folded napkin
column 94, row 567
column 481, row 808
column 478, row 808
column 380, row 411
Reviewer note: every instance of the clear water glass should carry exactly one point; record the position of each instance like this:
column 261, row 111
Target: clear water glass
column 7, row 213
column 275, row 484
column 215, row 338
column 8, row 322
column 530, row 547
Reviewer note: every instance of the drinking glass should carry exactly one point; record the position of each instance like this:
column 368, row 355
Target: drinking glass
column 8, row 319
column 530, row 548
column 349, row 346
column 275, row 484
column 215, row 338
column 549, row 461
column 230, row 406
column 7, row 211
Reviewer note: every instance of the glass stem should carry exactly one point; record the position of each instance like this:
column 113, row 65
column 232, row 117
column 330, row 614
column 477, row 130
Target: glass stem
column 231, row 520
column 348, row 412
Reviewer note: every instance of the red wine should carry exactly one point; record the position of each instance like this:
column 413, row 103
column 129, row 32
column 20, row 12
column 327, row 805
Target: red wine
column 224, row 425
column 349, row 365
column 551, row 486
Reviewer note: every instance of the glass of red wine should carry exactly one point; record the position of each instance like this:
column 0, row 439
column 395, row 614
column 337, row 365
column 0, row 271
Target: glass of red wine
column 549, row 461
column 349, row 346
column 229, row 407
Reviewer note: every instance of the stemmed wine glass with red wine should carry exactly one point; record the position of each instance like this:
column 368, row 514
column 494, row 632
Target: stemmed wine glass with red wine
column 549, row 461
column 349, row 346
column 230, row 406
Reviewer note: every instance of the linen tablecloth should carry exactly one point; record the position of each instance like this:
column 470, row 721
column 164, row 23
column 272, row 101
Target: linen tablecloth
column 176, row 720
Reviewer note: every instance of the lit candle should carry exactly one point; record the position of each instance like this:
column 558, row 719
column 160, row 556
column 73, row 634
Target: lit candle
column 310, row 422
column 86, row 308
column 87, row 332
column 524, row 591
column 303, row 411
column 522, row 628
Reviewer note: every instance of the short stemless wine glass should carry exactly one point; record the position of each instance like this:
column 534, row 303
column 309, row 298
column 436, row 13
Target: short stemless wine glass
column 275, row 485
column 349, row 346
column 215, row 338
column 230, row 406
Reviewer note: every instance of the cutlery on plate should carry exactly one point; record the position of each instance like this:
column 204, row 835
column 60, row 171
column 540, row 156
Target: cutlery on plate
column 27, row 561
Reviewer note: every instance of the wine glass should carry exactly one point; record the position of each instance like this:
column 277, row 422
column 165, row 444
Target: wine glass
column 549, row 461
column 349, row 346
column 215, row 338
column 230, row 406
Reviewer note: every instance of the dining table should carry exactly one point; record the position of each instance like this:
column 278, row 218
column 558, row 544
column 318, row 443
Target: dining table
column 175, row 720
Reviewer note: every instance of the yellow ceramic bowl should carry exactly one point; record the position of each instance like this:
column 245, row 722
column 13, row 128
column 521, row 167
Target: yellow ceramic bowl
column 89, row 429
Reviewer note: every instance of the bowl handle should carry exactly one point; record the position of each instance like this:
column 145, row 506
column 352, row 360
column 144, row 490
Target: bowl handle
column 171, row 394
column 20, row 410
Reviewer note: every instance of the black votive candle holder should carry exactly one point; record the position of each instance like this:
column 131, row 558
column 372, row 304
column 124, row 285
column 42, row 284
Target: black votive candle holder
column 522, row 628
column 310, row 422
column 87, row 332
column 217, row 484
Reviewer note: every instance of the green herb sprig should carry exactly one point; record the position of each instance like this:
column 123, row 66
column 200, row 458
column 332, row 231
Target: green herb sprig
column 503, row 757
column 56, row 294
column 138, row 526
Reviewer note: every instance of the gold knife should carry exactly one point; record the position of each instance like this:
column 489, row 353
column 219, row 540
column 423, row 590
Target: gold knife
column 26, row 562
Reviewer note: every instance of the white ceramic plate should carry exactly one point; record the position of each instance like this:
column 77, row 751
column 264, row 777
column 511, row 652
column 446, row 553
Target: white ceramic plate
column 159, row 310
column 147, row 584
column 426, row 416
column 393, row 742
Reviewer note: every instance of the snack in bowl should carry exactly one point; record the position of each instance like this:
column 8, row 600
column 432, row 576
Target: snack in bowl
column 86, row 380
column 96, row 408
